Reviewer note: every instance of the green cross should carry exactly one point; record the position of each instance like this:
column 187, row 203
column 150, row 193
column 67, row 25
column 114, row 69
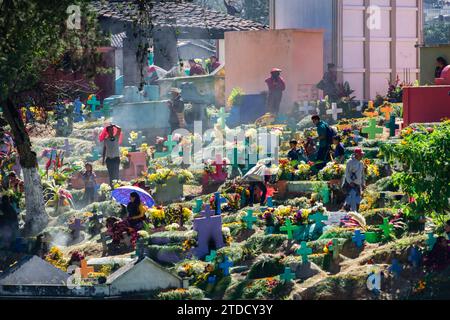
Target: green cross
column 304, row 251
column 287, row 275
column 94, row 103
column 170, row 144
column 211, row 256
column 222, row 116
column 249, row 219
column 325, row 194
column 335, row 248
column 392, row 126
column 106, row 109
column 318, row 218
column 289, row 228
column 372, row 129
column 387, row 228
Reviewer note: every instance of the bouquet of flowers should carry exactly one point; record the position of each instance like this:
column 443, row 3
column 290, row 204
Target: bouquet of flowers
column 124, row 158
column 157, row 215
column 185, row 176
column 332, row 171
column 303, row 171
column 372, row 171
column 161, row 176
column 269, row 217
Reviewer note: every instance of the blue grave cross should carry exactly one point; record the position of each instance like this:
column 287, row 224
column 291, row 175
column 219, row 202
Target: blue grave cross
column 212, row 279
column 211, row 256
column 415, row 257
column 207, row 213
column 318, row 218
column 358, row 238
column 269, row 229
column 287, row 275
column 225, row 266
column 93, row 103
column 219, row 200
column 396, row 268
column 304, row 251
column 357, row 138
column 250, row 219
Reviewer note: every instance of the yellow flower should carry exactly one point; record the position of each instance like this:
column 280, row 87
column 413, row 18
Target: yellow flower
column 133, row 135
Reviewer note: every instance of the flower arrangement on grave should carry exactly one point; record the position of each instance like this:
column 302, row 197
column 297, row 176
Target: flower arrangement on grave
column 369, row 200
column 56, row 258
column 132, row 140
column 188, row 244
column 265, row 288
column 354, row 220
column 372, row 171
column 185, row 176
column 177, row 214
column 303, row 171
column 192, row 268
column 301, row 216
column 124, row 158
column 234, row 201
column 182, row 294
column 156, row 215
column 105, row 190
column 332, row 171
column 57, row 196
column 76, row 258
column 118, row 229
column 269, row 217
column 161, row 176
column 227, row 238
column 173, row 227
column 286, row 169
column 120, row 183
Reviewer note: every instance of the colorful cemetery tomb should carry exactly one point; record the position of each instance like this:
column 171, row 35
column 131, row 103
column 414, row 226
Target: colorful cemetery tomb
column 372, row 130
column 85, row 270
column 225, row 266
column 387, row 109
column 318, row 218
column 304, row 251
column 392, row 126
column 289, row 228
column 287, row 275
column 306, row 108
column 415, row 257
column 431, row 240
column 221, row 118
column 219, row 200
column 76, row 226
column 334, row 111
column 209, row 228
column 387, row 228
column 249, row 219
column 78, row 113
column 335, row 248
column 198, row 205
column 170, row 145
column 358, row 238
column 396, row 268
column 67, row 147
column 93, row 102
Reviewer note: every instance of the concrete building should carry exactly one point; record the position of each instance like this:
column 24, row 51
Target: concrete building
column 370, row 41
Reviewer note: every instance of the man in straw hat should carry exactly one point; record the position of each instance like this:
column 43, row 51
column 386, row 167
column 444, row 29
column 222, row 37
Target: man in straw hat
column 276, row 87
column 176, row 106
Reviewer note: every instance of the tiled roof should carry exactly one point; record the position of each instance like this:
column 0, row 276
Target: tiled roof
column 182, row 15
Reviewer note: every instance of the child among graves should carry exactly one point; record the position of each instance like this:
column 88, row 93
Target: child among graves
column 325, row 136
column 296, row 154
column 89, row 184
column 339, row 150
column 438, row 258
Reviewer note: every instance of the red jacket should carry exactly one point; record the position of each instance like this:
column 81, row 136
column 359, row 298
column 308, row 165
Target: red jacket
column 196, row 70
column 277, row 84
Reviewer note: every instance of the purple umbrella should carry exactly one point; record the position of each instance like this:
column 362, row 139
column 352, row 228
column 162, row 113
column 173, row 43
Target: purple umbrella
column 122, row 195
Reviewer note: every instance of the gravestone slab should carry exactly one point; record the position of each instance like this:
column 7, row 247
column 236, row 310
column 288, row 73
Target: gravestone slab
column 209, row 229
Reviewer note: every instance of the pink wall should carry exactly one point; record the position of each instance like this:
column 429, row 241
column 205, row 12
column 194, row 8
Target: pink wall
column 425, row 104
column 251, row 55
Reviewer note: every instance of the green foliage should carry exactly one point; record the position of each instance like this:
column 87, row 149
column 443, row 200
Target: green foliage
column 424, row 154
column 266, row 266
column 182, row 294
column 437, row 33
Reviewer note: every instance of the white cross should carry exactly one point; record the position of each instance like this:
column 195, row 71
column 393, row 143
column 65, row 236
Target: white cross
column 334, row 111
column 306, row 108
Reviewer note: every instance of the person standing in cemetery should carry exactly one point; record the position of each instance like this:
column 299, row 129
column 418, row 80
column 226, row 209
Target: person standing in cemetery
column 196, row 68
column 441, row 63
column 258, row 177
column 111, row 152
column 136, row 212
column 214, row 64
column 325, row 136
column 354, row 181
column 176, row 106
column 339, row 150
column 89, row 184
column 329, row 83
column 276, row 86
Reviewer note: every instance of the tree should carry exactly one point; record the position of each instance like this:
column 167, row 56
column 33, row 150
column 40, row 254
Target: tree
column 35, row 36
